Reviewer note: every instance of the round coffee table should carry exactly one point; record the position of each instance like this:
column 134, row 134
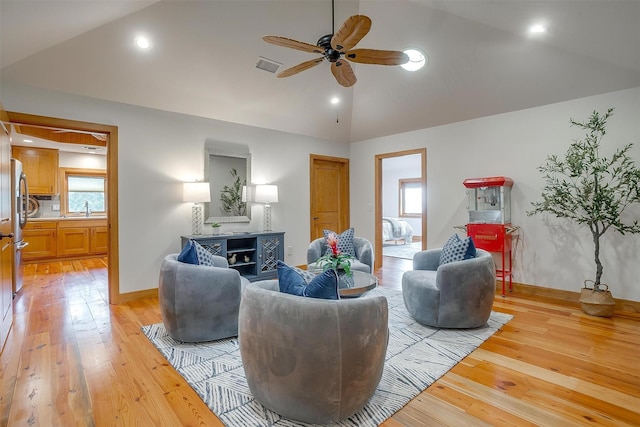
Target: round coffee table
column 360, row 284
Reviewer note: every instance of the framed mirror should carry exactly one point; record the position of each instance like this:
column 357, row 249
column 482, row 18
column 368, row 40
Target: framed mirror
column 227, row 168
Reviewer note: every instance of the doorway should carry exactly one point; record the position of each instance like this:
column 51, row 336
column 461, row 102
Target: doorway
column 111, row 134
column 419, row 181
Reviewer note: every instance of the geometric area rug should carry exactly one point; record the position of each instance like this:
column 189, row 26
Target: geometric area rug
column 417, row 356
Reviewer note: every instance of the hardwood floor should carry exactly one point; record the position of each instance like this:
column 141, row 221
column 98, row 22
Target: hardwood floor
column 73, row 360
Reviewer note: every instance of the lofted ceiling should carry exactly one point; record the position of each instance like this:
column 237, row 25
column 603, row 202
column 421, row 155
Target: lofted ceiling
column 481, row 60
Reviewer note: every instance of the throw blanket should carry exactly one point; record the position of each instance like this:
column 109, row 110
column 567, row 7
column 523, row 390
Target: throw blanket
column 395, row 229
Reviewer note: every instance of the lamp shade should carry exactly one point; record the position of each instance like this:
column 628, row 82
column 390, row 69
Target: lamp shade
column 248, row 193
column 266, row 193
column 196, row 192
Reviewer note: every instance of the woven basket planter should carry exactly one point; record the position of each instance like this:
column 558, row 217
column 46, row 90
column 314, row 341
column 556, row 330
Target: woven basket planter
column 597, row 303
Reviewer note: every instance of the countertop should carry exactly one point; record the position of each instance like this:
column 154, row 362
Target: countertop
column 60, row 218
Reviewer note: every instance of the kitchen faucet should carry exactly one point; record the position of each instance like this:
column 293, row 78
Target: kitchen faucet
column 87, row 211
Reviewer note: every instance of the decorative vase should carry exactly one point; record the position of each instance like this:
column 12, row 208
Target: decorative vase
column 345, row 281
column 597, row 303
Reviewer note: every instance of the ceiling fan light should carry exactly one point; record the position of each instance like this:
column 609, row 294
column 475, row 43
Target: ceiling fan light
column 417, row 60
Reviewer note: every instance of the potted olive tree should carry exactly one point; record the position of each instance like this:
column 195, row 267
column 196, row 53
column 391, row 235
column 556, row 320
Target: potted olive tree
column 591, row 190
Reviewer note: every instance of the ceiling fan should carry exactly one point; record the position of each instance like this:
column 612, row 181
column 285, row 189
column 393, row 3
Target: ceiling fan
column 338, row 49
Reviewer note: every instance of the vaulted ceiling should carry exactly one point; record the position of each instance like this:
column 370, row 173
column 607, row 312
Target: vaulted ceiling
column 481, row 59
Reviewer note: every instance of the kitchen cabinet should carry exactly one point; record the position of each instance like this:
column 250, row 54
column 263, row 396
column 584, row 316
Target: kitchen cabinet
column 73, row 241
column 99, row 240
column 41, row 237
column 41, row 167
column 82, row 237
column 254, row 255
column 65, row 238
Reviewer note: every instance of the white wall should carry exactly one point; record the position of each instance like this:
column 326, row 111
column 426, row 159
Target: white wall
column 549, row 253
column 157, row 151
column 81, row 160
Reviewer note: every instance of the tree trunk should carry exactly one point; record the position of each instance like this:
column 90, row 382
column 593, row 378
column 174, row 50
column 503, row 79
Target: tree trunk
column 596, row 242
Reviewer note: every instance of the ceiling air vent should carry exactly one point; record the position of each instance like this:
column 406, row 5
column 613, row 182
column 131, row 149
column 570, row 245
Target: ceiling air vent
column 267, row 64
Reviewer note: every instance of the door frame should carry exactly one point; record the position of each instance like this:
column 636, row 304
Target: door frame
column 113, row 268
column 344, row 204
column 378, row 198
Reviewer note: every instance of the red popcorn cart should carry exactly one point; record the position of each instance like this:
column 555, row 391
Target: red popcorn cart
column 489, row 206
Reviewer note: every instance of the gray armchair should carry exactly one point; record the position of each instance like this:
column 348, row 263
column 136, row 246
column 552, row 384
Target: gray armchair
column 364, row 254
column 455, row 295
column 199, row 303
column 308, row 359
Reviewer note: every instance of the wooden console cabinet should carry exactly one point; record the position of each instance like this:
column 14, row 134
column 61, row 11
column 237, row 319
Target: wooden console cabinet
column 254, row 255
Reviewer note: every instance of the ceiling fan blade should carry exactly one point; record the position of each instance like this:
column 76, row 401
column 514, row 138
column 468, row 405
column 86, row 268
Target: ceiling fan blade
column 378, row 57
column 343, row 73
column 293, row 44
column 351, row 32
column 300, row 67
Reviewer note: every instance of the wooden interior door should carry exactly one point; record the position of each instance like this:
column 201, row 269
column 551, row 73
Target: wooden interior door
column 6, row 243
column 329, row 194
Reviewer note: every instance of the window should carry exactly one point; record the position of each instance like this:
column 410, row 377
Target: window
column 410, row 197
column 84, row 190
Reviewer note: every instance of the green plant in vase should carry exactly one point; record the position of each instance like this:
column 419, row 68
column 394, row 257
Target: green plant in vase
column 215, row 227
column 334, row 258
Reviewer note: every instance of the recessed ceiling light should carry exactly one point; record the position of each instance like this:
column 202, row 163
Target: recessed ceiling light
column 335, row 100
column 537, row 29
column 27, row 140
column 143, row 42
column 417, row 60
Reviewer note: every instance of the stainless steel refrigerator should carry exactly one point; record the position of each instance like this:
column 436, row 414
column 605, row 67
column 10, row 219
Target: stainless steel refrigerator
column 19, row 203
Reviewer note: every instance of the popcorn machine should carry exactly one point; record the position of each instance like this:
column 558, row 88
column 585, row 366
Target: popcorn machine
column 489, row 206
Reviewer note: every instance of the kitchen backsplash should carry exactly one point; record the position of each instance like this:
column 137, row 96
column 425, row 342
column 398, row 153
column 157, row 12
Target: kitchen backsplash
column 49, row 207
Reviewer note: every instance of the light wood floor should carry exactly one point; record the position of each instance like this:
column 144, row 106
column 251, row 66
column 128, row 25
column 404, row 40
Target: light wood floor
column 73, row 360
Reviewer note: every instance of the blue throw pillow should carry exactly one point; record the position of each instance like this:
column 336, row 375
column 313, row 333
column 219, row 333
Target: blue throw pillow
column 194, row 253
column 345, row 241
column 457, row 249
column 323, row 285
column 188, row 254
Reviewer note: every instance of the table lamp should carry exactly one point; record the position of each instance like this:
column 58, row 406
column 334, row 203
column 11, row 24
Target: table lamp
column 267, row 194
column 196, row 193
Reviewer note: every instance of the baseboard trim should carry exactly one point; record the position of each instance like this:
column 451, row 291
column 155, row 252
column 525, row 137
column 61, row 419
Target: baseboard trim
column 132, row 296
column 623, row 307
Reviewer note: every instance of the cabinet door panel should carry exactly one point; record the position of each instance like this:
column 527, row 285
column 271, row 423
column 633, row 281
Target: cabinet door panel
column 41, row 167
column 73, row 241
column 42, row 244
column 99, row 240
column 270, row 250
